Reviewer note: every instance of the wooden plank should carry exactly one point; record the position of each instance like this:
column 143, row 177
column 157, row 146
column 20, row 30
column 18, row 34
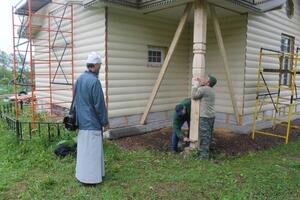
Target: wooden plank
column 225, row 60
column 166, row 62
column 199, row 51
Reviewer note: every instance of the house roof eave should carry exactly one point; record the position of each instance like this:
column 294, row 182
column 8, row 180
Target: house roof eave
column 240, row 6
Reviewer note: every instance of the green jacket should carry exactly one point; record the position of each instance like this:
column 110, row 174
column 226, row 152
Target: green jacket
column 178, row 121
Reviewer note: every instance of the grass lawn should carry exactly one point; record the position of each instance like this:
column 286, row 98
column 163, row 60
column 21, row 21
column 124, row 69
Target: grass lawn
column 30, row 170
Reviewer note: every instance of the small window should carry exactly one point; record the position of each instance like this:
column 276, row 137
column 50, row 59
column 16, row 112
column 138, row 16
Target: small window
column 287, row 46
column 156, row 56
column 290, row 8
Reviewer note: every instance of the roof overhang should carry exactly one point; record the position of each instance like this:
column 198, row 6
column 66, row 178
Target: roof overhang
column 239, row 6
column 35, row 6
column 246, row 6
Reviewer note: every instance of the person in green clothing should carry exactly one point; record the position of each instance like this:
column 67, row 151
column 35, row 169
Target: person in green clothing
column 203, row 90
column 180, row 116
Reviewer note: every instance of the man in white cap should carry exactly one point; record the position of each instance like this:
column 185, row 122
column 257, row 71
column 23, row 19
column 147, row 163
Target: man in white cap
column 91, row 117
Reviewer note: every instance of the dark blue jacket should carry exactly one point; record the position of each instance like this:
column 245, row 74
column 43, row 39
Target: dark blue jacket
column 91, row 113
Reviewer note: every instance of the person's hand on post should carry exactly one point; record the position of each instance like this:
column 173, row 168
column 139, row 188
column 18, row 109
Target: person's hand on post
column 195, row 82
column 201, row 80
column 198, row 80
column 186, row 139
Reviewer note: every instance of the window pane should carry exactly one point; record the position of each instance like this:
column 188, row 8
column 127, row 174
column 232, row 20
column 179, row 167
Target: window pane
column 287, row 46
column 155, row 55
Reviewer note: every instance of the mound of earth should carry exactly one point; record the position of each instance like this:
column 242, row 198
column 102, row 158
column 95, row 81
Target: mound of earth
column 225, row 141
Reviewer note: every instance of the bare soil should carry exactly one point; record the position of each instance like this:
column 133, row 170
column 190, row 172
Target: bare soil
column 225, row 141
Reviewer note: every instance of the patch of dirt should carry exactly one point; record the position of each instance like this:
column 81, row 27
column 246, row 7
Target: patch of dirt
column 158, row 140
column 225, row 141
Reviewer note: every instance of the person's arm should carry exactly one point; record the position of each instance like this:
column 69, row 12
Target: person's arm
column 177, row 128
column 188, row 123
column 99, row 103
column 197, row 92
column 75, row 91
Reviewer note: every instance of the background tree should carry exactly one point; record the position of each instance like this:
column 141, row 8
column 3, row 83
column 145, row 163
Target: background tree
column 6, row 71
column 6, row 60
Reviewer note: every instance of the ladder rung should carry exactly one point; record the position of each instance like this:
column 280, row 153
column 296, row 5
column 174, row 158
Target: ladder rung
column 265, row 94
column 270, row 134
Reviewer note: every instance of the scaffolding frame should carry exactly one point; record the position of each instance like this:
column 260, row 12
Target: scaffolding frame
column 57, row 25
column 280, row 96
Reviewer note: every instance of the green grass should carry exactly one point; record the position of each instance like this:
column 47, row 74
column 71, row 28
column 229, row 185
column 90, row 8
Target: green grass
column 30, row 170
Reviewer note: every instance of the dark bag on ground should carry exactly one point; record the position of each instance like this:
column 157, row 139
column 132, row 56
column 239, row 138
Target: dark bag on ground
column 65, row 148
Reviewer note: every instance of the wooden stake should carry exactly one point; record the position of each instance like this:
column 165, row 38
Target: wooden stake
column 166, row 61
column 225, row 60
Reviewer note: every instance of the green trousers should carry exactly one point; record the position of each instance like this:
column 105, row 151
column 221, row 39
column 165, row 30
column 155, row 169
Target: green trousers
column 205, row 136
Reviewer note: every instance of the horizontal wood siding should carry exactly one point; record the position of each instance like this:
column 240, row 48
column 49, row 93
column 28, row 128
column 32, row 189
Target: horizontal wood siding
column 130, row 80
column 234, row 35
column 265, row 31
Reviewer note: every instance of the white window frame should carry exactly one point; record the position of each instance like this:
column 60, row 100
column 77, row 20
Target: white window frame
column 287, row 46
column 154, row 50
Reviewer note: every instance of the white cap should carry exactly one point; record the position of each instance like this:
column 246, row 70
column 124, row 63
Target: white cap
column 94, row 58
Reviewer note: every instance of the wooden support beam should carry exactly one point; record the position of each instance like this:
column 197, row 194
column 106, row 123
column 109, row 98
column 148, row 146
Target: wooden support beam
column 165, row 65
column 225, row 60
column 199, row 51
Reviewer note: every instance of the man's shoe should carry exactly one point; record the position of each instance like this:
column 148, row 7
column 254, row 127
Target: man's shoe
column 88, row 185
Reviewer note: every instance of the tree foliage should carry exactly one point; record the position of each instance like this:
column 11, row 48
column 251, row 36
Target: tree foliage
column 6, row 68
column 6, row 60
column 6, row 71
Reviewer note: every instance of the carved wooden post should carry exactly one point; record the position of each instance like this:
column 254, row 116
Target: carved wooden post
column 199, row 50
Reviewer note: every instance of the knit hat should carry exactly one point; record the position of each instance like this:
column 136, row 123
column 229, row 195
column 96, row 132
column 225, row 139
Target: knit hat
column 212, row 81
column 94, row 58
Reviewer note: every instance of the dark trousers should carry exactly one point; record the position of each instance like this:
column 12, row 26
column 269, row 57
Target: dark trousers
column 175, row 141
column 205, row 136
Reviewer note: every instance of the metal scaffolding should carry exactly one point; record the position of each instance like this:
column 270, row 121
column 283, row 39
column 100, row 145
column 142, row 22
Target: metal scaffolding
column 276, row 92
column 43, row 54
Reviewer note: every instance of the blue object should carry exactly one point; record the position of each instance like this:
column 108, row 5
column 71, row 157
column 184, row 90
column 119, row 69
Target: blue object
column 175, row 141
column 179, row 109
column 91, row 113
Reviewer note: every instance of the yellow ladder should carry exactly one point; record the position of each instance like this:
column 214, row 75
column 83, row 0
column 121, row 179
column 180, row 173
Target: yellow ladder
column 283, row 98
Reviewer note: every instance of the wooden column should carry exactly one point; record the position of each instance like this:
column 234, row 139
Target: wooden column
column 165, row 65
column 225, row 60
column 199, row 50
